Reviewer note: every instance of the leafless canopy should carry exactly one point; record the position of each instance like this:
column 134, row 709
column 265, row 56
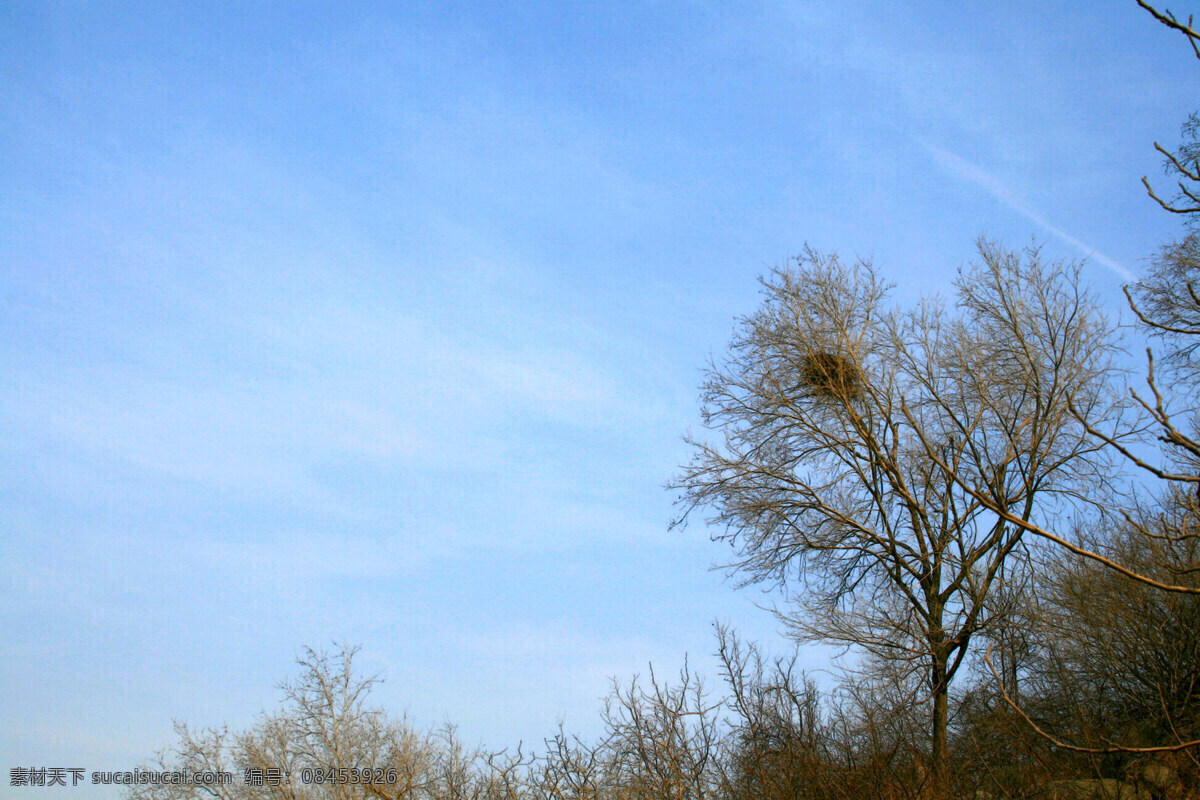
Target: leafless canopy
column 1184, row 164
column 855, row 440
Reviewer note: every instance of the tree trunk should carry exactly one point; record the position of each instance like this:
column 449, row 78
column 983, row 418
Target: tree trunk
column 939, row 767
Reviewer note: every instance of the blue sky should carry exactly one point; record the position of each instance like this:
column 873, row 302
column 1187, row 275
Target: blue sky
column 382, row 323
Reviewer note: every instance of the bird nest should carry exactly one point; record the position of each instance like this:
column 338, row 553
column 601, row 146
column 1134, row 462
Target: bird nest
column 831, row 375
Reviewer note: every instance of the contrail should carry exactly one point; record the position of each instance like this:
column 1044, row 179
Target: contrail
column 965, row 170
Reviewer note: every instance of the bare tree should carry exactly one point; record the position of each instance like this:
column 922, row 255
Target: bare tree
column 663, row 740
column 326, row 743
column 854, row 438
column 1117, row 665
column 1134, row 669
column 205, row 751
column 788, row 741
column 778, row 745
column 571, row 769
column 1184, row 164
column 1112, row 683
column 1167, row 304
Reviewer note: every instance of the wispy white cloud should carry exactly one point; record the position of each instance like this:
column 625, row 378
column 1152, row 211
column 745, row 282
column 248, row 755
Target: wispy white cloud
column 964, row 170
